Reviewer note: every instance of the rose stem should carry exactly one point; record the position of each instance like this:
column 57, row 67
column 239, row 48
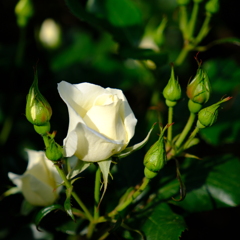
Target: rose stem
column 96, row 201
column 170, row 119
column 121, row 207
column 75, row 196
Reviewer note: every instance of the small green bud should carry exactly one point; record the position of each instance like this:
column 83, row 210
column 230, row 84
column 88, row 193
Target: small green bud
column 172, row 91
column 212, row 6
column 24, row 11
column 54, row 151
column 183, row 2
column 208, row 116
column 155, row 158
column 43, row 129
column 199, row 89
column 38, row 110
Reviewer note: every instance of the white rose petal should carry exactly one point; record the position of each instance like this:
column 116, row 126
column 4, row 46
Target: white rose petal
column 39, row 183
column 101, row 122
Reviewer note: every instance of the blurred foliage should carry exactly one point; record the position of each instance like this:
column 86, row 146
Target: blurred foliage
column 99, row 43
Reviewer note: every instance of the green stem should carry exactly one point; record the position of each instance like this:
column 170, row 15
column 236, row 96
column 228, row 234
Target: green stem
column 75, row 196
column 185, row 130
column 129, row 200
column 183, row 54
column 170, row 119
column 92, row 224
column 193, row 134
column 193, row 19
column 183, row 21
column 204, row 29
column 97, row 193
column 46, row 140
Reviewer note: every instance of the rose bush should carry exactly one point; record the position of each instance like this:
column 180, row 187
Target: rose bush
column 39, row 183
column 101, row 122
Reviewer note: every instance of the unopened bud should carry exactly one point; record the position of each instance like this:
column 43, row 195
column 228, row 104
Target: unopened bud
column 38, row 110
column 24, row 11
column 155, row 158
column 54, row 151
column 172, row 91
column 212, row 6
column 199, row 89
column 208, row 116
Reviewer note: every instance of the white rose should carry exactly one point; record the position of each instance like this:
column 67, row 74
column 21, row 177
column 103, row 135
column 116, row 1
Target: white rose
column 39, row 183
column 101, row 122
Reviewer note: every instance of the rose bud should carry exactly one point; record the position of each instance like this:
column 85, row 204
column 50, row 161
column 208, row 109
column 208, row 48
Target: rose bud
column 198, row 91
column 54, row 151
column 212, row 6
column 172, row 91
column 38, row 110
column 208, row 115
column 155, row 158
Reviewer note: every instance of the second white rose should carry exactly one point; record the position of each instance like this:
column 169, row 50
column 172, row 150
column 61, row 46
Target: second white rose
column 101, row 122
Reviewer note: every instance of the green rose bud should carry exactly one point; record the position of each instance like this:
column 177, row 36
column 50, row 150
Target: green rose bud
column 155, row 158
column 199, row 89
column 38, row 110
column 24, row 11
column 172, row 92
column 54, row 151
column 183, row 2
column 208, row 116
column 212, row 6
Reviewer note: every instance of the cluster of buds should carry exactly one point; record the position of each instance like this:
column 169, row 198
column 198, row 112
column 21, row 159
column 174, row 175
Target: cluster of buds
column 39, row 112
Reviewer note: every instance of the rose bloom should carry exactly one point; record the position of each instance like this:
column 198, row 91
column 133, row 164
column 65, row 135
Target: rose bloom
column 101, row 122
column 39, row 183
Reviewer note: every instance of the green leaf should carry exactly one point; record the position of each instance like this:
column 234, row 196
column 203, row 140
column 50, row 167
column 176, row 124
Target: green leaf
column 211, row 183
column 122, row 19
column 67, row 203
column 79, row 167
column 123, row 13
column 105, row 169
column 43, row 212
column 162, row 223
column 127, row 151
